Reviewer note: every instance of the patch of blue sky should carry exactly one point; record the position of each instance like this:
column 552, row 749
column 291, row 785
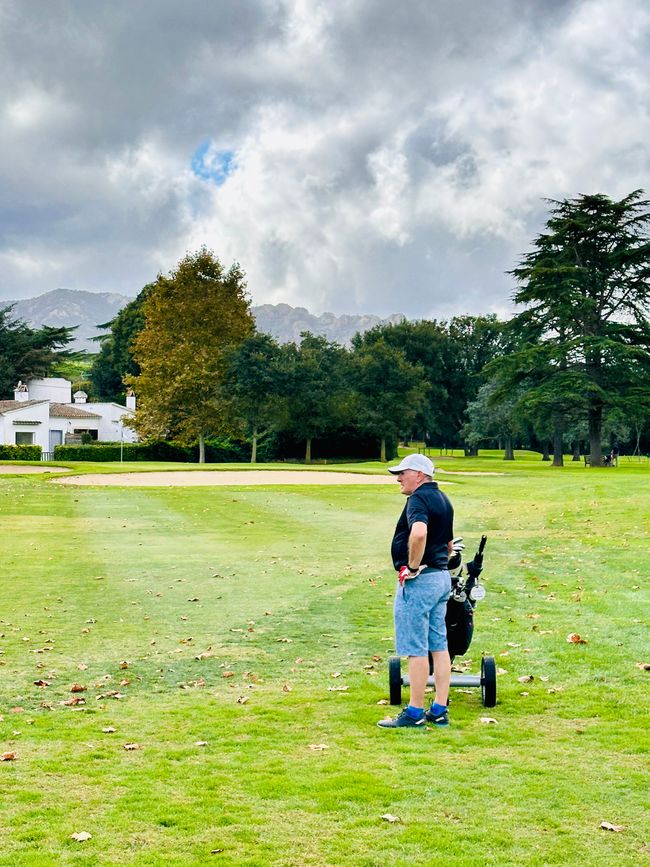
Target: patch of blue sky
column 211, row 164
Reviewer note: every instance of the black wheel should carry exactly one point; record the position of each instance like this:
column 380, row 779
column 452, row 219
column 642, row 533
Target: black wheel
column 488, row 681
column 395, row 680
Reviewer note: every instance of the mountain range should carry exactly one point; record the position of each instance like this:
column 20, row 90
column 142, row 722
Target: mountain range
column 87, row 310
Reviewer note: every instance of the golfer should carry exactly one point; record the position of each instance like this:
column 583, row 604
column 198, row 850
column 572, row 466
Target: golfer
column 421, row 548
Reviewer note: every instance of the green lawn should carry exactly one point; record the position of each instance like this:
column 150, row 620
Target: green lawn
column 234, row 609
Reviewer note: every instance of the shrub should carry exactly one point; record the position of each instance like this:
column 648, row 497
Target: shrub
column 217, row 450
column 20, row 453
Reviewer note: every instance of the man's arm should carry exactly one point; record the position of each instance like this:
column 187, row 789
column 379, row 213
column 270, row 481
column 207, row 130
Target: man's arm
column 417, row 543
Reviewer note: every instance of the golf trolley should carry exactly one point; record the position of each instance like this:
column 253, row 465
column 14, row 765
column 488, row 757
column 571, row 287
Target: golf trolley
column 466, row 591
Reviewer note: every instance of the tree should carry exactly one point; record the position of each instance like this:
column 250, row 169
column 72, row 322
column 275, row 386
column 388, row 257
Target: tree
column 390, row 391
column 494, row 416
column 452, row 355
column 586, row 286
column 318, row 385
column 115, row 358
column 193, row 319
column 256, row 386
column 28, row 353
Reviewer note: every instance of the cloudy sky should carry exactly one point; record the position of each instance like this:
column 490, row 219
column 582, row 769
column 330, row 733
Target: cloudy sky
column 353, row 155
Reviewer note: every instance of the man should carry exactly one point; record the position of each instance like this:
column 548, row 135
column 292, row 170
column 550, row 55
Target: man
column 421, row 548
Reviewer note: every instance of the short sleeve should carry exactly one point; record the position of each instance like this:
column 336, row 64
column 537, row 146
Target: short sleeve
column 416, row 510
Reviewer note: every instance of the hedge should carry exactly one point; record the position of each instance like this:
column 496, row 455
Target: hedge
column 20, row 453
column 217, row 450
column 346, row 443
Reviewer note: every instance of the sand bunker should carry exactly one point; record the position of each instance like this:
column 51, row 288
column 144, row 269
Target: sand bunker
column 228, row 477
column 10, row 469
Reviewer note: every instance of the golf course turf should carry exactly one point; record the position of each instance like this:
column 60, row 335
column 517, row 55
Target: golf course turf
column 228, row 648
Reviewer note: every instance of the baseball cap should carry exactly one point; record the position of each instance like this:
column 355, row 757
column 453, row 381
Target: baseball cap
column 420, row 463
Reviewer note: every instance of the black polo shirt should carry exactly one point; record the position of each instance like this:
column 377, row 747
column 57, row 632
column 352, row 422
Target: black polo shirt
column 429, row 505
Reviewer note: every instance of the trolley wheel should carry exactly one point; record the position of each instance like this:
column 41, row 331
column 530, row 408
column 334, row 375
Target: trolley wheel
column 488, row 681
column 395, row 680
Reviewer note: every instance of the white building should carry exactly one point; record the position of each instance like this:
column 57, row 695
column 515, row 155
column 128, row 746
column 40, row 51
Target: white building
column 43, row 413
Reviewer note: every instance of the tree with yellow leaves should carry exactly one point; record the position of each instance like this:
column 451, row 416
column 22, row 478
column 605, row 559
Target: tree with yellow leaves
column 194, row 318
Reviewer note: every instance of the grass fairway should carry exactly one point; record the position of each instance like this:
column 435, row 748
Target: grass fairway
column 251, row 620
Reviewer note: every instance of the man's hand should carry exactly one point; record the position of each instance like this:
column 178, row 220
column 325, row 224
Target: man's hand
column 405, row 574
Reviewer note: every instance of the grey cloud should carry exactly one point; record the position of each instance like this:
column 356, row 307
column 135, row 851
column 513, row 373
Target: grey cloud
column 388, row 156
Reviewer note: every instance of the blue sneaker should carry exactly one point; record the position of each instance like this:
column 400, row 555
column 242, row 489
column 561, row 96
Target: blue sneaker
column 403, row 720
column 439, row 719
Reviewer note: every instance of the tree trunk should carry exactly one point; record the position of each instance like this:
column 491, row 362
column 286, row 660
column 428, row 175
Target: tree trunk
column 254, row 449
column 545, row 452
column 558, row 457
column 308, row 451
column 509, row 454
column 382, row 453
column 471, row 451
column 576, row 451
column 595, row 434
column 201, row 448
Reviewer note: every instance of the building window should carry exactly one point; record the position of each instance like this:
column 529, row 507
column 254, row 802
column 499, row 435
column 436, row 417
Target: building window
column 24, row 438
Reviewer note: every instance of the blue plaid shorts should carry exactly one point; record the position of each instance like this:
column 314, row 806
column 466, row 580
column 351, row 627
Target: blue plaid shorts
column 420, row 608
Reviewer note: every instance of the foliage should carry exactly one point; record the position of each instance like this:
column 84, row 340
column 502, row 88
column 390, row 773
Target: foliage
column 389, row 390
column 115, row 358
column 193, row 319
column 586, row 285
column 317, row 387
column 452, row 355
column 20, row 453
column 493, row 416
column 28, row 353
column 256, row 386
column 217, row 450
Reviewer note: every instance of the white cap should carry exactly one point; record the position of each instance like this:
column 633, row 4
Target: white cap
column 420, row 463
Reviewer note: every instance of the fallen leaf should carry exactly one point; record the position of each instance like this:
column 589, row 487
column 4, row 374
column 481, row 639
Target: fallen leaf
column 228, row 674
column 502, row 670
column 242, row 699
column 553, row 689
column 335, row 674
column 574, row 638
column 388, row 817
column 8, row 757
column 41, row 683
column 337, row 688
column 200, row 743
column 108, row 730
column 78, row 687
column 216, row 851
column 383, row 701
column 644, row 666
column 16, row 710
column 125, row 682
column 82, row 666
column 73, row 701
column 318, row 748
column 131, row 747
column 81, row 836
column 526, row 678
column 510, row 644
column 544, row 678
column 607, row 826
column 286, row 687
column 488, row 719
column 124, row 664
column 285, row 640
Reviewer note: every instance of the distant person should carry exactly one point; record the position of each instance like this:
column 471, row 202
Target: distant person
column 421, row 547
